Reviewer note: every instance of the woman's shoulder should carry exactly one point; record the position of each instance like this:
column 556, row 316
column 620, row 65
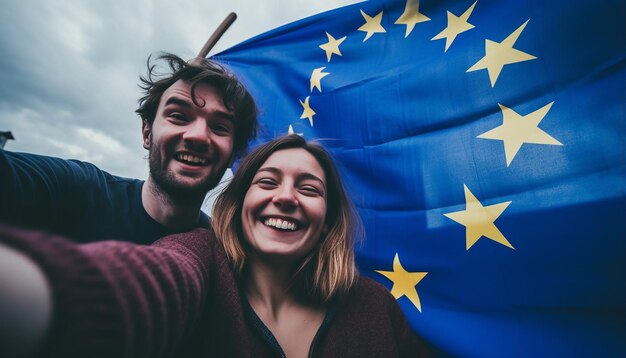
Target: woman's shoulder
column 372, row 319
column 198, row 238
column 368, row 286
column 371, row 294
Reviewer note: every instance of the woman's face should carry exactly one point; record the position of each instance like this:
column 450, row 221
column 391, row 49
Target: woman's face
column 284, row 209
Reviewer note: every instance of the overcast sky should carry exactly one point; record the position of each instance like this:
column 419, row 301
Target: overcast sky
column 69, row 68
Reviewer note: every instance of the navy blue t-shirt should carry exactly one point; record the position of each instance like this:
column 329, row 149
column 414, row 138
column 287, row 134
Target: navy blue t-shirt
column 75, row 199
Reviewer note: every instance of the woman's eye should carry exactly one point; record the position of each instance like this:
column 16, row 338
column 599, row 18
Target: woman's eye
column 310, row 190
column 266, row 183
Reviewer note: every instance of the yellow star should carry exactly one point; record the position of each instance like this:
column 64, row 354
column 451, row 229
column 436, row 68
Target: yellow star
column 372, row 25
column 479, row 220
column 517, row 130
column 404, row 282
column 307, row 111
column 499, row 54
column 332, row 46
column 411, row 16
column 291, row 131
column 316, row 78
column 456, row 25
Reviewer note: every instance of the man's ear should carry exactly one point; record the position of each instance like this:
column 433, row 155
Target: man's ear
column 146, row 132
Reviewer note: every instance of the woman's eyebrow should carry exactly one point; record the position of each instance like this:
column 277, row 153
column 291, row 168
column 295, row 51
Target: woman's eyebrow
column 312, row 177
column 303, row 175
column 269, row 169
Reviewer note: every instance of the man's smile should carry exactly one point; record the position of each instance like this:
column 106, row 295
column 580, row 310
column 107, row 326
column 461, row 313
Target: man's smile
column 191, row 159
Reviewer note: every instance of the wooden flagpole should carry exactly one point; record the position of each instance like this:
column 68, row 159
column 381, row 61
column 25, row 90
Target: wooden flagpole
column 214, row 38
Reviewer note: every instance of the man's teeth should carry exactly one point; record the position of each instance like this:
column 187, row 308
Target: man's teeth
column 280, row 224
column 192, row 159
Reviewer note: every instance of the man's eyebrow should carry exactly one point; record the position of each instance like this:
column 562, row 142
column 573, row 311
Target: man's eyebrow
column 185, row 103
column 177, row 101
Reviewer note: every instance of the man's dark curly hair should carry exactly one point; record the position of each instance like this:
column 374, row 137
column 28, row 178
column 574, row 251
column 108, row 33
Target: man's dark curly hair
column 235, row 96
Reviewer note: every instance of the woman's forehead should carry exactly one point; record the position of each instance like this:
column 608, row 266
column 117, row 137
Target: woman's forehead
column 293, row 161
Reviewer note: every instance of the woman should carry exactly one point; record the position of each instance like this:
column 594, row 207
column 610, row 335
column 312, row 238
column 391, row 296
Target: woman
column 279, row 281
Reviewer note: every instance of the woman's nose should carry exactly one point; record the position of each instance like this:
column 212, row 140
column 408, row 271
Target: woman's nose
column 285, row 197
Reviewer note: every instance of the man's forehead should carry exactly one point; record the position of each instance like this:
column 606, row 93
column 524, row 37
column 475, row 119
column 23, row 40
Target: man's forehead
column 179, row 94
column 181, row 90
column 182, row 87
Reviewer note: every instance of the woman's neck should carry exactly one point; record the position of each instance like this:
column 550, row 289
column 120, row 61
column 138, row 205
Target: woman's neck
column 268, row 286
column 292, row 321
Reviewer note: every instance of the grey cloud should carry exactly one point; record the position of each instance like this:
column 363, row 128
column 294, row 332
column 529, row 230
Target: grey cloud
column 69, row 69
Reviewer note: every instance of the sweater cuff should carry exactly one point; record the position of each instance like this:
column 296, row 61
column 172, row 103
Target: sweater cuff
column 85, row 322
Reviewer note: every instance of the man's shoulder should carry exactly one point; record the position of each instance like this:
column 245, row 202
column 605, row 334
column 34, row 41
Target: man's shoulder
column 49, row 165
column 123, row 181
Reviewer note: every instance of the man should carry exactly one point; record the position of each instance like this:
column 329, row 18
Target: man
column 195, row 122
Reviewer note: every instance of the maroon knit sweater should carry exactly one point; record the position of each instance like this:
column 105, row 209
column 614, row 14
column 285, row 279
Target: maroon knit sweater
column 179, row 298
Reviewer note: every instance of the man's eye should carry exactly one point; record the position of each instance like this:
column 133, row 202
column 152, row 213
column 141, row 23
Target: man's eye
column 178, row 117
column 221, row 129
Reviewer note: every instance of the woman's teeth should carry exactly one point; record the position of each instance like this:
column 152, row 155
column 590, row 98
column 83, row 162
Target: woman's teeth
column 280, row 224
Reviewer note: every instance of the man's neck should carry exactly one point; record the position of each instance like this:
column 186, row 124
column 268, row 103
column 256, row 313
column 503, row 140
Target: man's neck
column 175, row 213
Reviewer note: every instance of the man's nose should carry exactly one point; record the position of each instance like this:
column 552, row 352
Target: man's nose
column 197, row 132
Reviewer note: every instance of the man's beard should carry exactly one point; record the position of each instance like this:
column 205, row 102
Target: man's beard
column 167, row 182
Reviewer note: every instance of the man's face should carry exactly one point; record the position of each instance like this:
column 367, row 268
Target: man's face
column 190, row 145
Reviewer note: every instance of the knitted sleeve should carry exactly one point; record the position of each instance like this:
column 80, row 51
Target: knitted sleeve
column 117, row 299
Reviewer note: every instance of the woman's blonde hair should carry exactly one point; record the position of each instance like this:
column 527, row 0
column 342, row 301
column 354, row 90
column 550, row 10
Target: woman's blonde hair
column 330, row 269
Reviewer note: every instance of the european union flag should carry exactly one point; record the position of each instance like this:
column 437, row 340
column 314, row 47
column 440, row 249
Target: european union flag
column 484, row 145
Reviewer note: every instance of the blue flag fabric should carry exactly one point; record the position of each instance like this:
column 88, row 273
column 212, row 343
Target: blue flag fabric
column 484, row 146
